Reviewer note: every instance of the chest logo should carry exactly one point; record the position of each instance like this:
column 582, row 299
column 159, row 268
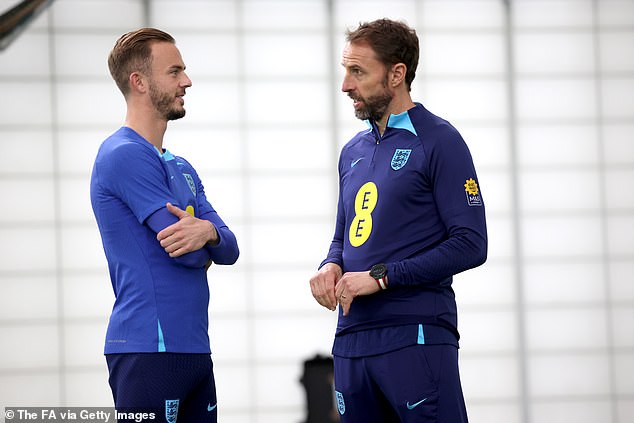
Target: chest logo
column 400, row 158
column 364, row 204
column 190, row 182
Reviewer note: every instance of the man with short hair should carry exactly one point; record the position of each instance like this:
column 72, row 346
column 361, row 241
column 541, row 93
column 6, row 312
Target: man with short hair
column 410, row 216
column 160, row 235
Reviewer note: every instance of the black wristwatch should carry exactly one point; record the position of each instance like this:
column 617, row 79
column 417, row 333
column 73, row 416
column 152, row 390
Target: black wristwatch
column 379, row 273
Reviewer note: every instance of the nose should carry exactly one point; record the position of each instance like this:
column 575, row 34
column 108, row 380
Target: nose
column 346, row 85
column 186, row 82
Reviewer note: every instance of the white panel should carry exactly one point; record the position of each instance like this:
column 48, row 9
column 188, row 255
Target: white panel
column 292, row 339
column 31, row 200
column 489, row 378
column 88, row 387
column 82, row 248
column 488, row 331
column 586, row 411
column 30, row 152
column 460, row 14
column 296, row 55
column 551, row 376
column 226, row 195
column 558, row 190
column 621, row 234
column 94, row 14
column 38, row 346
column 618, row 145
column 496, row 190
column 623, row 321
column 557, row 145
column 489, row 145
column 490, row 284
column 85, row 55
column 290, row 195
column 214, row 102
column 38, row 292
column 84, row 343
column 209, row 54
column 508, row 411
column 581, row 328
column 500, row 237
column 30, row 103
column 287, row 103
column 552, row 13
column 618, row 187
column 303, row 242
column 561, row 236
column 467, row 99
column 233, row 384
column 348, row 14
column 617, row 54
column 74, row 198
column 230, row 338
column 276, row 415
column 28, row 389
column 284, row 14
column 624, row 368
column 77, row 149
column 616, row 12
column 208, row 150
column 229, row 290
column 552, row 52
column 90, row 103
column 288, row 149
column 88, row 295
column 615, row 103
column 284, row 291
column 621, row 286
column 564, row 283
column 556, row 99
column 444, row 53
column 278, row 385
column 624, row 409
column 194, row 14
column 27, row 249
column 27, row 55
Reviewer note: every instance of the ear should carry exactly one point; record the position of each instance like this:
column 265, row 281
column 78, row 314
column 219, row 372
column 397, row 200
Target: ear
column 137, row 82
column 398, row 72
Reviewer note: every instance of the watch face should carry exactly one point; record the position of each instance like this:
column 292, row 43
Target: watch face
column 378, row 271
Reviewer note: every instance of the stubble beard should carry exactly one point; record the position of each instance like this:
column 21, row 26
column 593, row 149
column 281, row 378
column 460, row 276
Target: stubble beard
column 163, row 104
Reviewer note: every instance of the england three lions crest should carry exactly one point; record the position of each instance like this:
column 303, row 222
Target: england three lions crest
column 171, row 410
column 400, row 158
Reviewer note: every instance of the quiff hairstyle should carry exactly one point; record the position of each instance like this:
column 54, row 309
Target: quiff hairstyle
column 133, row 53
column 392, row 41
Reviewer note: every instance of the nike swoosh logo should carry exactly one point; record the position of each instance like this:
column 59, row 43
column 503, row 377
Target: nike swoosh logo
column 210, row 408
column 353, row 164
column 416, row 404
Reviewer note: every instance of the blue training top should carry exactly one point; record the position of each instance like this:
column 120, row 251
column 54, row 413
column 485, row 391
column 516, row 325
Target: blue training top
column 409, row 199
column 161, row 303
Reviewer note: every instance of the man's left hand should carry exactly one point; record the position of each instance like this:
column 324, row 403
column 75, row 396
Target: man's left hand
column 353, row 284
column 187, row 235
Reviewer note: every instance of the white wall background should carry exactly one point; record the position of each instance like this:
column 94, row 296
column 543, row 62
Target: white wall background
column 542, row 90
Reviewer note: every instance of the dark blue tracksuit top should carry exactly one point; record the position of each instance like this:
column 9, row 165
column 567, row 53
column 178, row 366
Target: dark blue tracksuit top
column 409, row 198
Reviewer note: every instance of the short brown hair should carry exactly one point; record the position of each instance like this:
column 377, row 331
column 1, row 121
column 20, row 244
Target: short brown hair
column 133, row 53
column 393, row 42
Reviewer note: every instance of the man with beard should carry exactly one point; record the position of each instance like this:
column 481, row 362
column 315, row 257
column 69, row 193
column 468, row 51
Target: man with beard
column 160, row 235
column 410, row 216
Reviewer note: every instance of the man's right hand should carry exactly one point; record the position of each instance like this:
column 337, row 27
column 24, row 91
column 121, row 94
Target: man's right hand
column 322, row 285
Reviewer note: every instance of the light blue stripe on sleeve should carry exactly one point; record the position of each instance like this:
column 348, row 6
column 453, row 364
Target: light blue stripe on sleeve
column 161, row 341
column 421, row 335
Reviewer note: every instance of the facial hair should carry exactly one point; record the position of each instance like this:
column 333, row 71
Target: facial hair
column 374, row 107
column 163, row 103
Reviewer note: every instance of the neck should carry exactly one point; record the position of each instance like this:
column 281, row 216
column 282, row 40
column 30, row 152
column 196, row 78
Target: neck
column 397, row 106
column 146, row 124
